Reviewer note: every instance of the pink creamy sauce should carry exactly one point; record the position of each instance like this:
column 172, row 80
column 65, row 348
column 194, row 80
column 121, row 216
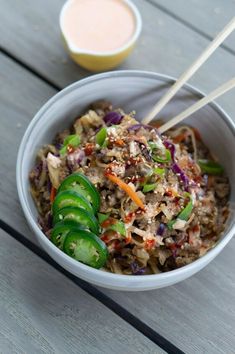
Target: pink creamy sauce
column 98, row 25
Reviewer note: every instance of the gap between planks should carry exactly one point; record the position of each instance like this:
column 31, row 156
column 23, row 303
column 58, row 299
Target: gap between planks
column 152, row 335
column 29, row 68
column 132, row 320
column 104, row 299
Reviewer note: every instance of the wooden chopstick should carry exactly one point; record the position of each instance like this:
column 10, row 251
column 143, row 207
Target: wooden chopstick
column 201, row 103
column 190, row 71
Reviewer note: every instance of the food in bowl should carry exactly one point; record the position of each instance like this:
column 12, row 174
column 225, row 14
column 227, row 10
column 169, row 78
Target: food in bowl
column 114, row 194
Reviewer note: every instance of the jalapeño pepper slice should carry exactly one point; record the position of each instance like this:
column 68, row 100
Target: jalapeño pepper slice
column 86, row 248
column 81, row 184
column 70, row 198
column 61, row 229
column 79, row 215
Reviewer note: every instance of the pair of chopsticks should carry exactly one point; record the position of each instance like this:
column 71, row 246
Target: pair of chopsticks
column 186, row 76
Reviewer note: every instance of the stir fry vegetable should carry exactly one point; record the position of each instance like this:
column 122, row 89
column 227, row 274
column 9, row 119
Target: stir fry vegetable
column 61, row 229
column 184, row 214
column 164, row 159
column 132, row 194
column 70, row 198
column 79, row 183
column 115, row 225
column 152, row 202
column 101, row 137
column 79, row 215
column 159, row 171
column 149, row 187
column 71, row 140
column 86, row 247
column 161, row 155
column 75, row 224
column 210, row 167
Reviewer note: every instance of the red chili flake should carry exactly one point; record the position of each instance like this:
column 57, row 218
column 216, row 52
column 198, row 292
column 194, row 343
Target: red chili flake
column 136, row 178
column 109, row 171
column 196, row 228
column 109, row 236
column 114, row 245
column 117, row 245
column 70, row 149
column 197, row 179
column 150, row 244
column 176, row 200
column 108, row 222
column 134, row 161
column 104, row 237
column 168, row 193
column 129, row 217
column 140, row 211
column 88, row 149
column 172, row 246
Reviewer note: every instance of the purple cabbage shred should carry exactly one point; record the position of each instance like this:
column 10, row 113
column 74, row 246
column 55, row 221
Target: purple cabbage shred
column 113, row 118
column 161, row 229
column 136, row 269
column 139, row 126
column 58, row 146
column 170, row 146
column 185, row 180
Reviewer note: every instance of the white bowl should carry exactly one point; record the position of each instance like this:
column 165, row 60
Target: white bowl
column 131, row 90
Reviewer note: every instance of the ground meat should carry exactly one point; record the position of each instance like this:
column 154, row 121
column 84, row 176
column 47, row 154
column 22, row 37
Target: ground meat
column 180, row 222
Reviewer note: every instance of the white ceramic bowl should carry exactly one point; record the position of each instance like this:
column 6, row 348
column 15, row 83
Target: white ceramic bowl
column 131, row 90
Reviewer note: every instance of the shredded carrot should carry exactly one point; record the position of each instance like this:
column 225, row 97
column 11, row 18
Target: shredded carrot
column 119, row 142
column 53, row 194
column 132, row 194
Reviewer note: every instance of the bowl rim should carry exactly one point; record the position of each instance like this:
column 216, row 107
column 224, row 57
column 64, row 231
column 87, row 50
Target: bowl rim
column 76, row 50
column 120, row 278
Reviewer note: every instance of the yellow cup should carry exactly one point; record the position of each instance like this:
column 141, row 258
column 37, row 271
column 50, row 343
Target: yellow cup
column 98, row 61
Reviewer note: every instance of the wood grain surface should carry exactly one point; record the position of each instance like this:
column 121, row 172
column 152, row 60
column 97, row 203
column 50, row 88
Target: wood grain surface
column 166, row 45
column 43, row 312
column 161, row 309
column 197, row 315
column 205, row 17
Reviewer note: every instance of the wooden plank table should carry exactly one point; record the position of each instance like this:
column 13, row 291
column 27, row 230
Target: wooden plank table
column 43, row 309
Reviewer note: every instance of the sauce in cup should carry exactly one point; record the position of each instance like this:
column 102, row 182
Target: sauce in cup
column 100, row 29
column 99, row 25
